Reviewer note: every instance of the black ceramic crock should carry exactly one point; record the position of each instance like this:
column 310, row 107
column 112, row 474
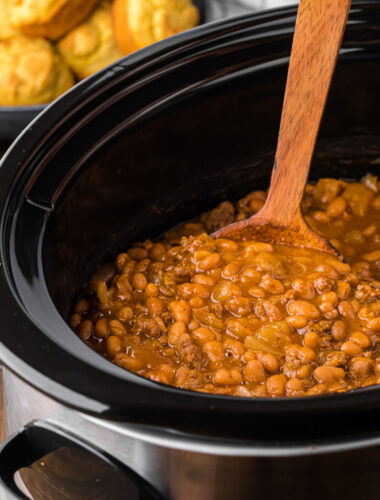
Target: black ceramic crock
column 153, row 140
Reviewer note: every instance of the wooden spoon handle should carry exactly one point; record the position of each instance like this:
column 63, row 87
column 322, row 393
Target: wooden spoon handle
column 318, row 36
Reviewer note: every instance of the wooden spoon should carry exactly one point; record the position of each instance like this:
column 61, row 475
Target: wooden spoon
column 319, row 31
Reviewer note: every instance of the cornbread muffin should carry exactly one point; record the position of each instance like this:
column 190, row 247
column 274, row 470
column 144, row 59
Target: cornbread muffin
column 6, row 29
column 48, row 18
column 91, row 46
column 139, row 23
column 31, row 72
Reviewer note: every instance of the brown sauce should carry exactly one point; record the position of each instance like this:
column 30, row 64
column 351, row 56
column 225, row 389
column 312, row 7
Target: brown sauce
column 247, row 318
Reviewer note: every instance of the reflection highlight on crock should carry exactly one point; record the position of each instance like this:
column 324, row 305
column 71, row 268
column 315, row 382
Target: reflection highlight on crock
column 265, row 4
column 217, row 9
column 260, row 4
column 70, row 472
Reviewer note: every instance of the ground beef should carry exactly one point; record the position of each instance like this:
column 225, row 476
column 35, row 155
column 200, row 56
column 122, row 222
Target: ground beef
column 220, row 216
column 192, row 356
column 149, row 326
column 184, row 270
column 323, row 285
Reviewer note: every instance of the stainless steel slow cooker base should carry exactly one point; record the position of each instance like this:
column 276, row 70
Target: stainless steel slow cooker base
column 170, row 461
column 154, row 140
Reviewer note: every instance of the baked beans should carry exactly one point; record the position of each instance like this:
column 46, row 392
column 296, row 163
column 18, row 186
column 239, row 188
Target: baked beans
column 248, row 318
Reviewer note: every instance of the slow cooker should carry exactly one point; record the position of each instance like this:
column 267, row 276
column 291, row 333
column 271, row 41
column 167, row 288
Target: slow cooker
column 150, row 141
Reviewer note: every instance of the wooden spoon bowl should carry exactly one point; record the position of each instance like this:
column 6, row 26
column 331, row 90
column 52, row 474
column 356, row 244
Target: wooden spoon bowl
column 298, row 233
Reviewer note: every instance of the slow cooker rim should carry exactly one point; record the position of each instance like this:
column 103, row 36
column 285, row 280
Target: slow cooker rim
column 15, row 157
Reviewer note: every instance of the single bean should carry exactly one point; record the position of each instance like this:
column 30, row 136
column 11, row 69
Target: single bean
column 101, row 328
column 328, row 374
column 181, row 310
column 187, row 378
column 203, row 279
column 305, row 354
column 196, row 302
column 203, row 334
column 143, row 266
column 193, row 325
column 155, row 305
column 175, row 331
column 225, row 290
column 297, row 321
column 317, row 389
column 341, row 267
column 294, row 387
column 303, row 372
column 226, row 245
column 327, row 271
column 227, row 377
column 326, row 307
column 157, row 251
column 320, row 216
column 269, row 362
column 158, row 376
column 128, row 362
column 346, row 309
column 258, row 247
column 210, row 262
column 361, row 366
column 339, row 330
column 214, row 350
column 239, row 306
column 121, row 260
column 372, row 256
column 117, row 328
column 129, row 267
column 151, row 290
column 330, row 297
column 361, row 339
column 137, row 253
column 139, row 281
column 125, row 314
column 374, row 325
column 234, row 347
column 82, row 306
column 311, row 339
column 85, row 329
column 271, row 285
column 114, row 345
column 201, row 291
column 351, row 348
column 304, row 288
column 250, row 275
column 75, row 320
column 231, row 270
column 256, row 291
column 303, row 308
column 369, row 231
column 336, row 207
column 254, row 371
column 123, row 285
column 276, row 385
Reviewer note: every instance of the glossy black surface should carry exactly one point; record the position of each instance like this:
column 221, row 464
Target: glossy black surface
column 155, row 139
column 13, row 120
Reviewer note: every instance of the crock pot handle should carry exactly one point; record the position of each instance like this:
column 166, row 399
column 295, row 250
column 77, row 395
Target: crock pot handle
column 40, row 438
column 14, row 454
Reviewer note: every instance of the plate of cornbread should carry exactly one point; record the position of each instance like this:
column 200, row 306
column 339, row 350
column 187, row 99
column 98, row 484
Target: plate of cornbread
column 47, row 46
